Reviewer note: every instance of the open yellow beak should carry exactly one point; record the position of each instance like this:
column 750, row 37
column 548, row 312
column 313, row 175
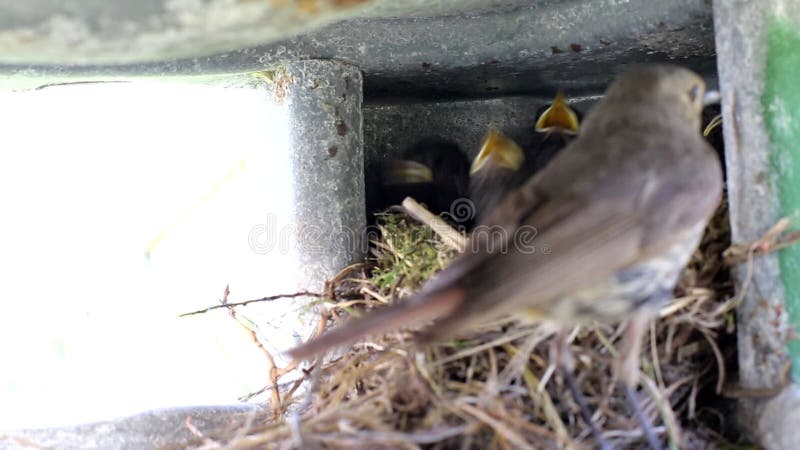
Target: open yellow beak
column 558, row 116
column 715, row 122
column 400, row 171
column 500, row 150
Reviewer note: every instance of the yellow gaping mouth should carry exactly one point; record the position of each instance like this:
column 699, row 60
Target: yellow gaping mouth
column 501, row 150
column 715, row 122
column 401, row 171
column 558, row 116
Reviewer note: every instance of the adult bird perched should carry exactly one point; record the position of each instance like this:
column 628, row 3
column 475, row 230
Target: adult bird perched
column 621, row 209
column 502, row 165
column 433, row 171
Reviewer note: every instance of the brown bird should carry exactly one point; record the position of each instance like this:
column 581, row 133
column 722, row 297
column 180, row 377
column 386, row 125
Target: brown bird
column 495, row 172
column 614, row 218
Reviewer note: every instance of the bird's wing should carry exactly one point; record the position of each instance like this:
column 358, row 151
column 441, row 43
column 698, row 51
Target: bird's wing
column 577, row 245
column 582, row 237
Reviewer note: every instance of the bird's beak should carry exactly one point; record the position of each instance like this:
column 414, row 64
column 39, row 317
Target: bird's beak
column 499, row 149
column 401, row 171
column 715, row 122
column 559, row 115
column 711, row 98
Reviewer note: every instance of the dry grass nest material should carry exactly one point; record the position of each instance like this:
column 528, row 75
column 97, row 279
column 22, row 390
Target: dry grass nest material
column 497, row 388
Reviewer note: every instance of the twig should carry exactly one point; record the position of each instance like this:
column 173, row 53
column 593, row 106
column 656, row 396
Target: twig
column 193, row 429
column 275, row 396
column 330, row 285
column 737, row 392
column 665, row 410
column 294, row 420
column 654, row 354
column 247, row 302
column 771, row 241
column 744, row 392
column 775, row 239
column 647, row 428
column 480, row 348
column 244, row 430
column 321, row 325
column 450, row 236
column 389, row 437
column 498, row 426
column 720, row 361
column 69, row 83
column 23, row 442
column 249, row 396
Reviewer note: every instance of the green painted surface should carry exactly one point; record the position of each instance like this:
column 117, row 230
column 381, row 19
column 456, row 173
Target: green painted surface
column 781, row 102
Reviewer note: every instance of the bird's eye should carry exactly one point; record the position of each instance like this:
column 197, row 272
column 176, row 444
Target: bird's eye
column 694, row 92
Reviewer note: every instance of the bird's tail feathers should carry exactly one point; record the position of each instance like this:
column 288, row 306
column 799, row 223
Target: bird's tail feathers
column 426, row 307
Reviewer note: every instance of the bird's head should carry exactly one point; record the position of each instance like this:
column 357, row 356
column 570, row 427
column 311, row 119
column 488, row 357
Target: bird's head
column 498, row 150
column 681, row 92
column 558, row 116
column 406, row 171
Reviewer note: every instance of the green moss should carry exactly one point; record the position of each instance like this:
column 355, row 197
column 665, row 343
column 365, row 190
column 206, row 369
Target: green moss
column 781, row 103
column 407, row 254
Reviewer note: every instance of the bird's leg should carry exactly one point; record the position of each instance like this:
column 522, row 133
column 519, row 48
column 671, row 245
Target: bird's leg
column 627, row 372
column 565, row 360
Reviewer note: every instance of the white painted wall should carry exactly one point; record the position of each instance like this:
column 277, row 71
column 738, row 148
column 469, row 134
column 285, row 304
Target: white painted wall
column 92, row 178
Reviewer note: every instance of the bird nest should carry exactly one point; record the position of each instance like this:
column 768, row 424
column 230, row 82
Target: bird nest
column 497, row 387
